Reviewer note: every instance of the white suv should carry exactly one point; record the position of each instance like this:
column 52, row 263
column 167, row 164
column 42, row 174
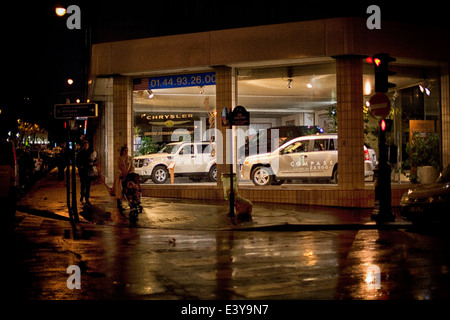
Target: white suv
column 312, row 156
column 193, row 159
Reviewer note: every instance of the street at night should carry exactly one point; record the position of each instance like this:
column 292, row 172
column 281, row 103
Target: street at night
column 225, row 158
column 142, row 263
column 189, row 250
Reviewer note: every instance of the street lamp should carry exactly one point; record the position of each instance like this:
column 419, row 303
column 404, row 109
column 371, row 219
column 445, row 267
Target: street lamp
column 70, row 81
column 60, row 11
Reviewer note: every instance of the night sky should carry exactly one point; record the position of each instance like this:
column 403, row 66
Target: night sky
column 41, row 53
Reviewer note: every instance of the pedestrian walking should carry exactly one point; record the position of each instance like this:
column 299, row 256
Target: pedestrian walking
column 125, row 164
column 84, row 164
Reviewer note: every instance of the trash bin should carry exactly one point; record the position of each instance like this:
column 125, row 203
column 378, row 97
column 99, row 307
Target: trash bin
column 226, row 184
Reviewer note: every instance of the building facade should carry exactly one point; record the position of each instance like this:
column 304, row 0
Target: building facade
column 302, row 73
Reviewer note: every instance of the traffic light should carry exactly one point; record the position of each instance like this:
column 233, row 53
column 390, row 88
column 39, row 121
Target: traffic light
column 386, row 125
column 383, row 125
column 381, row 63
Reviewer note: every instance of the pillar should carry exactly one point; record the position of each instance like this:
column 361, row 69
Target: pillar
column 225, row 97
column 122, row 117
column 445, row 107
column 349, row 89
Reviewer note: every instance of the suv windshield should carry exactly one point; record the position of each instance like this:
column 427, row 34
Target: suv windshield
column 170, row 148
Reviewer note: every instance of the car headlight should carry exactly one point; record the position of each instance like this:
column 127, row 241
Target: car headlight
column 405, row 199
column 147, row 162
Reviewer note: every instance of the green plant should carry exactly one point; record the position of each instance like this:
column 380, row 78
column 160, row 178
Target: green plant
column 422, row 151
column 332, row 114
column 147, row 146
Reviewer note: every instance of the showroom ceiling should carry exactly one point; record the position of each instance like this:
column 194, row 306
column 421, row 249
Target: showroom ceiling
column 274, row 91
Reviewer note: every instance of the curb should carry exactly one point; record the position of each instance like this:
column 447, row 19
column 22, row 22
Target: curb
column 312, row 227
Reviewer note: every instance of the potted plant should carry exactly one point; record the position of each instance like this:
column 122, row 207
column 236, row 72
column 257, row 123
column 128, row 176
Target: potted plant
column 424, row 158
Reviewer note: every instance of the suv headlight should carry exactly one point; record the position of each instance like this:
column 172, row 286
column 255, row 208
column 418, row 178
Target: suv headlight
column 147, row 162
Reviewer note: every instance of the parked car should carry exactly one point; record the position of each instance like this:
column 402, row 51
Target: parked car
column 428, row 203
column 313, row 156
column 9, row 177
column 263, row 141
column 192, row 159
column 370, row 154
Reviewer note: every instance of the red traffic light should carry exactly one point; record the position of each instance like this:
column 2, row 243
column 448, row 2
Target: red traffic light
column 386, row 125
column 382, row 72
column 372, row 60
column 383, row 125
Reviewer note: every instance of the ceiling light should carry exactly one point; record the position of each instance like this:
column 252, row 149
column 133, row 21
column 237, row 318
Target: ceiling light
column 309, row 85
column 425, row 88
column 367, row 88
column 150, row 94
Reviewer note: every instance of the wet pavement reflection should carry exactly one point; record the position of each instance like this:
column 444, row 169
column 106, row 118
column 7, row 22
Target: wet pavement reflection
column 141, row 263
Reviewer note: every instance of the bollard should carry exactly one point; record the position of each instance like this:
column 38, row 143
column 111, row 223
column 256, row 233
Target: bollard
column 171, row 168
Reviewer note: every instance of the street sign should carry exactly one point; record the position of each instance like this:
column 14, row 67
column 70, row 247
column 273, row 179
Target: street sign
column 240, row 116
column 76, row 110
column 380, row 105
column 179, row 81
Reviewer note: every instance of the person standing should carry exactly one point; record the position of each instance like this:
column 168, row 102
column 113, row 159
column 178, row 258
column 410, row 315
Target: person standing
column 125, row 164
column 84, row 164
column 62, row 159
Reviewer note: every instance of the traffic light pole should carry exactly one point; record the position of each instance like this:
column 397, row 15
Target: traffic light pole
column 383, row 208
column 73, row 211
column 380, row 106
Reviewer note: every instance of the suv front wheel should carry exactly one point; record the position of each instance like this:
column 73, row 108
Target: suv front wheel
column 212, row 175
column 160, row 174
column 262, row 176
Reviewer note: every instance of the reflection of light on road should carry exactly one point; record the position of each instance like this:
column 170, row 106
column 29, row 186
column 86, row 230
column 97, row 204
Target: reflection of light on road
column 366, row 253
column 310, row 257
column 373, row 276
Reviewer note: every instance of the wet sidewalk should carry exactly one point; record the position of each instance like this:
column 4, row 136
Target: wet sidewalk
column 48, row 198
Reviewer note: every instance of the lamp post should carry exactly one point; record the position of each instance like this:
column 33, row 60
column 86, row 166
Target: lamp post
column 72, row 207
column 60, row 11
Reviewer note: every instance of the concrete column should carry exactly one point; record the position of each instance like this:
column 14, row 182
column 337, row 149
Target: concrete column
column 122, row 117
column 109, row 140
column 225, row 97
column 445, row 111
column 349, row 89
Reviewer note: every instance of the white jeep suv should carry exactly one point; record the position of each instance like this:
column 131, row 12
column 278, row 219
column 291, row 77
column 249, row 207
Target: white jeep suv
column 313, row 156
column 193, row 159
